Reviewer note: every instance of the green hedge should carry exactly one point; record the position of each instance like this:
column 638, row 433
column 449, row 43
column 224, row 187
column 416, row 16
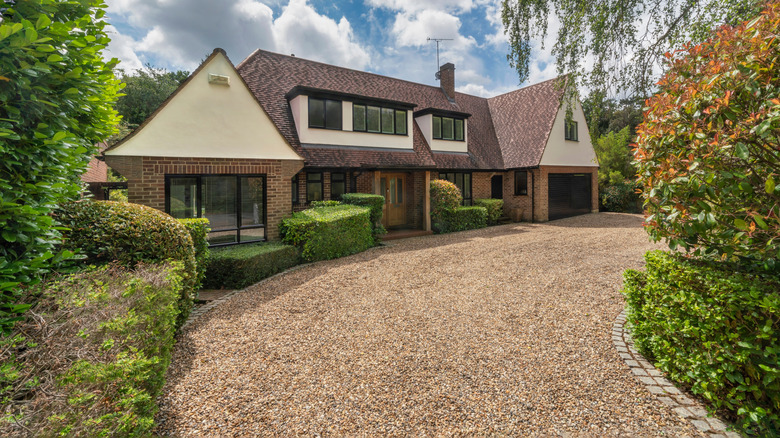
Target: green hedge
column 463, row 218
column 374, row 202
column 107, row 231
column 621, row 197
column 318, row 204
column 494, row 207
column 93, row 360
column 329, row 232
column 199, row 232
column 239, row 266
column 714, row 329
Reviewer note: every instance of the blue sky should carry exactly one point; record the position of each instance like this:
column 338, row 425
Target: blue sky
column 387, row 37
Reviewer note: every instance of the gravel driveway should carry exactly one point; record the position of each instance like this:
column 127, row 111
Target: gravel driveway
column 499, row 331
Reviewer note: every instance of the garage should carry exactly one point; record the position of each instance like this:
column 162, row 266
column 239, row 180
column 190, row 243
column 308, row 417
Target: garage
column 569, row 194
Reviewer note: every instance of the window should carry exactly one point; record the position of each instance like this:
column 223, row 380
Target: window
column 571, row 130
column 314, row 186
column 448, row 128
column 324, row 113
column 521, row 182
column 338, row 185
column 295, row 189
column 463, row 181
column 367, row 118
column 235, row 205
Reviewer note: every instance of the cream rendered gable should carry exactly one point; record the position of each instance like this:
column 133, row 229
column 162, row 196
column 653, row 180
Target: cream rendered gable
column 210, row 120
column 562, row 152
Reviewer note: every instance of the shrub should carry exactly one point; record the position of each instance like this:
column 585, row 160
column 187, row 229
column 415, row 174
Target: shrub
column 93, row 359
column 239, row 266
column 199, row 232
column 707, row 151
column 318, row 204
column 464, row 218
column 445, row 197
column 56, row 103
column 375, row 202
column 329, row 232
column 715, row 329
column 494, row 207
column 621, row 197
column 107, row 231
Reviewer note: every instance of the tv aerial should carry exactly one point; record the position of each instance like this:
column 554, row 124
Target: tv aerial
column 438, row 76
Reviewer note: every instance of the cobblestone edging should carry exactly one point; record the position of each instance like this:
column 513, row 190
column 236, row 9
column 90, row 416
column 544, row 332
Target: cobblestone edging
column 662, row 388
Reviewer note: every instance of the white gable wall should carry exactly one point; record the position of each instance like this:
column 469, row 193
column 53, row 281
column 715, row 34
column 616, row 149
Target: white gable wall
column 205, row 120
column 562, row 152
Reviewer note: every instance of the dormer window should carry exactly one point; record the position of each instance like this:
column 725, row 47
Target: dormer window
column 447, row 128
column 324, row 113
column 376, row 119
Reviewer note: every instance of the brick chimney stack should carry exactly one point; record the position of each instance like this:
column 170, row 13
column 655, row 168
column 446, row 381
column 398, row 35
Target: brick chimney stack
column 447, row 80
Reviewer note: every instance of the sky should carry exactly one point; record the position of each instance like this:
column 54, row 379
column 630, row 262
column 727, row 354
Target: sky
column 387, row 37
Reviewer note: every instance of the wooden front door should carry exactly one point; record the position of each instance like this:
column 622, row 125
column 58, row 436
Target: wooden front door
column 392, row 186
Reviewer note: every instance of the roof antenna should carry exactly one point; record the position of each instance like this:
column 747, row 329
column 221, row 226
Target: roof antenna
column 438, row 75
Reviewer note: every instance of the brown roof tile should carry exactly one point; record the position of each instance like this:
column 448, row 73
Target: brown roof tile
column 523, row 120
column 97, row 170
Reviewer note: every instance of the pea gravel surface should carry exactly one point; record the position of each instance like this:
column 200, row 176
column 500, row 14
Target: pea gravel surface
column 503, row 331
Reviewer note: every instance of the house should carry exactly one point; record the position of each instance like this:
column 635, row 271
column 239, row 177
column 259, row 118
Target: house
column 245, row 146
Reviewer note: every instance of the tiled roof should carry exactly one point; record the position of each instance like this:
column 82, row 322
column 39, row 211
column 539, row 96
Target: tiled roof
column 97, row 170
column 523, row 120
column 270, row 76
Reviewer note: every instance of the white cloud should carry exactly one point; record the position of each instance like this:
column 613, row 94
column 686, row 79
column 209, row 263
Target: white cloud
column 181, row 33
column 482, row 91
column 427, row 5
column 123, row 48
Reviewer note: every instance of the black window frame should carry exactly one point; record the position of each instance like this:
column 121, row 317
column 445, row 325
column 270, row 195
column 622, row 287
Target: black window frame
column 321, row 182
column 521, row 183
column 295, row 189
column 454, row 131
column 394, row 118
column 453, row 178
column 571, row 131
column 343, row 180
column 199, row 203
column 325, row 113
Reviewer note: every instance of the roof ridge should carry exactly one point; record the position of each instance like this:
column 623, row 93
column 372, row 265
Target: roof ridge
column 253, row 54
column 528, row 86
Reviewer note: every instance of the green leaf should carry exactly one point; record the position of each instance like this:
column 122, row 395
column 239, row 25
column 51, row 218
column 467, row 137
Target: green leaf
column 741, row 224
column 59, row 136
column 56, row 57
column 769, row 186
column 742, row 151
column 43, row 21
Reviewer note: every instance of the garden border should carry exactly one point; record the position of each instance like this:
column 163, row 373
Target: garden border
column 662, row 388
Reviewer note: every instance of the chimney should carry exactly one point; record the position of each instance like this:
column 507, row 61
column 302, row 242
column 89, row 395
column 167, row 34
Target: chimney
column 447, row 80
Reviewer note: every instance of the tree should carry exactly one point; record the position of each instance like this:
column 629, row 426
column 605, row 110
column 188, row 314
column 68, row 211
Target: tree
column 614, row 153
column 624, row 41
column 708, row 152
column 57, row 97
column 144, row 91
column 611, row 115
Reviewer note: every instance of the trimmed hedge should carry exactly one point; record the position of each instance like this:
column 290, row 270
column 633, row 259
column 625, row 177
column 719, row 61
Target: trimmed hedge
column 199, row 232
column 329, row 232
column 93, row 360
column 464, row 218
column 374, row 202
column 239, row 266
column 107, row 231
column 494, row 207
column 318, row 204
column 445, row 197
column 715, row 329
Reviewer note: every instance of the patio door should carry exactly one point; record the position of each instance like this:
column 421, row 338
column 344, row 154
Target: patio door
column 392, row 187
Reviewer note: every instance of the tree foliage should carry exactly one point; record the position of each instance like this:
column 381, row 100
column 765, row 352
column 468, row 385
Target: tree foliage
column 57, row 97
column 611, row 115
column 709, row 150
column 614, row 153
column 623, row 41
column 144, row 91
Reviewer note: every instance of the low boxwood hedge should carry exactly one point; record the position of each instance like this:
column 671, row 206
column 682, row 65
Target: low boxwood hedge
column 239, row 266
column 92, row 360
column 713, row 328
column 329, row 232
column 107, row 232
column 494, row 207
column 463, row 218
column 374, row 202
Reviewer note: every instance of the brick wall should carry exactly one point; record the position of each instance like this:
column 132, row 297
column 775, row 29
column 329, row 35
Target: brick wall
column 541, row 187
column 146, row 180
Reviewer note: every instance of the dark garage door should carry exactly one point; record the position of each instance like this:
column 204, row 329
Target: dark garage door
column 568, row 194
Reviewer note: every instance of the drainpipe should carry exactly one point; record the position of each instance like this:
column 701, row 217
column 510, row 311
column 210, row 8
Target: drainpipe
column 533, row 197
